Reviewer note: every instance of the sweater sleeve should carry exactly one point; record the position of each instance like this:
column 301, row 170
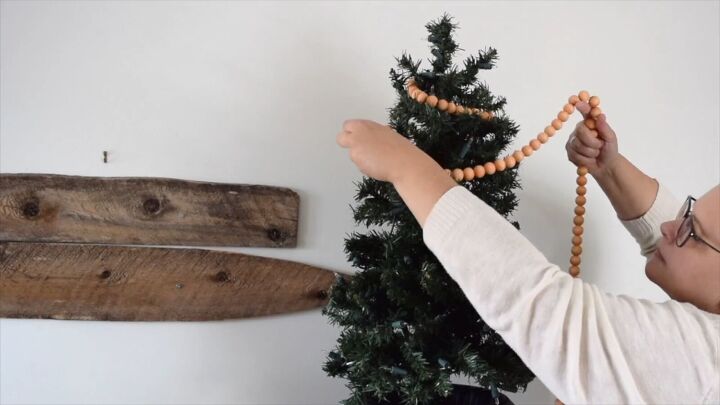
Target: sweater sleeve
column 585, row 345
column 646, row 229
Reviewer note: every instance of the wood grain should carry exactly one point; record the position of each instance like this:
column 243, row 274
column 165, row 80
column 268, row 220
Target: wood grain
column 152, row 211
column 125, row 283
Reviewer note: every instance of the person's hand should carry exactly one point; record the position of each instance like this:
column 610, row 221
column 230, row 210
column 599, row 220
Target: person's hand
column 596, row 149
column 377, row 150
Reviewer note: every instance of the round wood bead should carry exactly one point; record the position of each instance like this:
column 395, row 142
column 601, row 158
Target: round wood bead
column 580, row 200
column 557, row 124
column 413, row 92
column 578, row 220
column 573, row 100
column 484, row 115
column 581, row 190
column 469, row 173
column 489, row 168
column 421, row 97
column 576, row 240
column 595, row 112
column 448, row 172
column 527, row 150
column 569, row 108
column 574, row 271
column 479, row 171
column 491, row 114
column 458, row 174
column 582, row 171
column 563, row 116
column 442, row 104
column 579, row 210
column 584, row 95
column 410, row 81
column 451, row 108
column 459, row 109
column 575, row 260
column 535, row 144
column 500, row 165
column 549, row 130
column 510, row 161
column 581, row 180
column 576, row 250
column 518, row 155
column 543, row 137
column 590, row 123
column 594, row 101
column 431, row 101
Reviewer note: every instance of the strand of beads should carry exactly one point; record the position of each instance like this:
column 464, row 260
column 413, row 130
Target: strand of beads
column 511, row 160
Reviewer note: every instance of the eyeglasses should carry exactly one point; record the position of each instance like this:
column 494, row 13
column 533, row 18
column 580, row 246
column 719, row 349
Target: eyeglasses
column 686, row 230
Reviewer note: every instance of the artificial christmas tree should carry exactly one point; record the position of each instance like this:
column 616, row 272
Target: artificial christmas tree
column 406, row 325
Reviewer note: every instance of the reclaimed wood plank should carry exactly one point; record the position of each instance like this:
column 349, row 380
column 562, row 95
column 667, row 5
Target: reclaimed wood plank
column 151, row 211
column 126, row 283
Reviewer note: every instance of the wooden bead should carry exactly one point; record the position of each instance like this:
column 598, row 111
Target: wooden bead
column 574, row 271
column 458, row 174
column 460, row 109
column 575, row 260
column 579, row 210
column 527, row 150
column 535, row 144
column 431, row 101
column 491, row 114
column 448, row 172
column 421, row 97
column 468, row 173
column 590, row 123
column 576, row 250
column 584, row 95
column 563, row 116
column 594, row 101
column 580, row 200
column 573, row 100
column 442, row 104
column 484, row 115
column 577, row 240
column 550, row 131
column 557, row 124
column 581, row 180
column 476, row 111
column 489, row 168
column 578, row 220
column 410, row 81
column 413, row 92
column 510, row 161
column 582, row 171
column 479, row 171
column 569, row 108
column 581, row 190
column 595, row 112
column 451, row 108
column 518, row 155
column 543, row 137
column 500, row 165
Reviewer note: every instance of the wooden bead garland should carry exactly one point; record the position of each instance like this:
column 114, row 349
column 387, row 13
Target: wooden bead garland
column 509, row 161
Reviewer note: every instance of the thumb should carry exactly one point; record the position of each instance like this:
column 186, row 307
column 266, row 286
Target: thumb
column 604, row 131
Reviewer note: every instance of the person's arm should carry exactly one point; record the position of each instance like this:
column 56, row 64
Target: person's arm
column 630, row 191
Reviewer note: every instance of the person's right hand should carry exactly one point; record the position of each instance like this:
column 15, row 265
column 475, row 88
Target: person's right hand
column 596, row 149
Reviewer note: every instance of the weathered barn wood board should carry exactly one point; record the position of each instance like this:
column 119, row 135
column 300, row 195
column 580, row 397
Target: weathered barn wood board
column 152, row 211
column 123, row 283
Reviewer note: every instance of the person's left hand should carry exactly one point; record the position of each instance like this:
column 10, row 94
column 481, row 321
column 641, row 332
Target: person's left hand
column 377, row 150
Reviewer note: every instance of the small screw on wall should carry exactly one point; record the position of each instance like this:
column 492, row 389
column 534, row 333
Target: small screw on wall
column 104, row 156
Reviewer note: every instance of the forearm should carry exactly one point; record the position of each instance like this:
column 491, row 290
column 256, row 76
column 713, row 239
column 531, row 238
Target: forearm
column 630, row 191
column 420, row 183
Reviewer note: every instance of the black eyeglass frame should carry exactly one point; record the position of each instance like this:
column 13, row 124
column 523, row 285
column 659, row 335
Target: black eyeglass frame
column 688, row 216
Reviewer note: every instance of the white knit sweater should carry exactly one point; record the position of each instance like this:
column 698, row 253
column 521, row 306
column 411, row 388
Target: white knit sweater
column 584, row 344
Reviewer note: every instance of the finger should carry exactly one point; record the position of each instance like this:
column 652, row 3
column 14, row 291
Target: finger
column 350, row 125
column 579, row 160
column 583, row 107
column 604, row 129
column 586, row 151
column 589, row 137
column 344, row 139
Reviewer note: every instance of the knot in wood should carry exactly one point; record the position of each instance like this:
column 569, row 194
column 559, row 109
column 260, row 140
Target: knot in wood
column 221, row 277
column 151, row 205
column 105, row 274
column 322, row 294
column 31, row 209
column 274, row 234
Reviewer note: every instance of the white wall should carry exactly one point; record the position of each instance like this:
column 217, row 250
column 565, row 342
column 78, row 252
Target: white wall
column 249, row 92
